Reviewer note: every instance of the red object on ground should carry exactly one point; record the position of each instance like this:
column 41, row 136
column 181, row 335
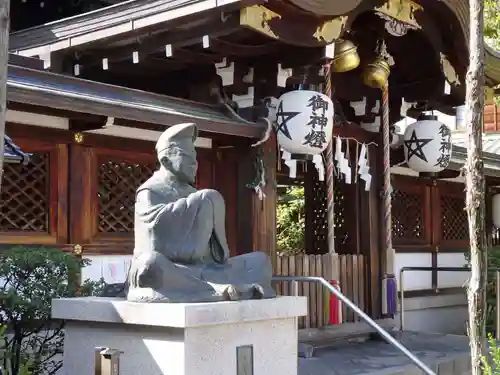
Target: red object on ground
column 335, row 306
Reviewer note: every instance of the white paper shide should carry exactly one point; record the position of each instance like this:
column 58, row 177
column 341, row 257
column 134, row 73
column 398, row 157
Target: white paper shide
column 427, row 145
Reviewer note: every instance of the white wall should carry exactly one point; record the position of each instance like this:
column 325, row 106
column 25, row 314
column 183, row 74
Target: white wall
column 446, row 313
column 441, row 313
column 413, row 280
column 421, row 280
column 452, row 279
column 113, row 268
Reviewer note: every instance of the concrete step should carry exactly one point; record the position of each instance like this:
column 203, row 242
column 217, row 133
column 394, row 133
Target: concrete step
column 313, row 339
column 444, row 354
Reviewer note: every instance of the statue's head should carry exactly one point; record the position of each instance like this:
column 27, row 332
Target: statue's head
column 176, row 151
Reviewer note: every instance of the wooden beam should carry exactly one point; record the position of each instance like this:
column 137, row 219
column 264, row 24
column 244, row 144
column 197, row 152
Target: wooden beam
column 81, row 126
column 54, row 136
column 195, row 57
column 244, row 50
column 155, row 43
column 24, row 107
column 157, row 63
column 148, row 67
column 27, row 62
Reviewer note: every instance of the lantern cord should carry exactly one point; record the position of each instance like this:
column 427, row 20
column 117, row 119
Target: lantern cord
column 330, row 181
column 387, row 168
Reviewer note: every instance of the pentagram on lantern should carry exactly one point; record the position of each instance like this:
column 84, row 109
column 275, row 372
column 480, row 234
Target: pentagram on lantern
column 282, row 119
column 415, row 146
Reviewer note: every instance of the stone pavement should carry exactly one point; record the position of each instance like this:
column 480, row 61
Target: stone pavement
column 445, row 354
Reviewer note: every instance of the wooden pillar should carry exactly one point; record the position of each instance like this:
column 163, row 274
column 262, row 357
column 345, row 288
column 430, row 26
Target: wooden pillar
column 245, row 204
column 83, row 207
column 264, row 211
column 370, row 236
column 310, row 215
column 225, row 169
column 4, row 58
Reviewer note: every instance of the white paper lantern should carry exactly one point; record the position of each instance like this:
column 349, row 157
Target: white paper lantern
column 496, row 210
column 304, row 121
column 427, row 145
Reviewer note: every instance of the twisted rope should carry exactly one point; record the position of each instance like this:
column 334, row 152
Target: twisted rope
column 329, row 169
column 387, row 171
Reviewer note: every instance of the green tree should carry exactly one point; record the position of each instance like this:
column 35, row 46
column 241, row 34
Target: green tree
column 290, row 220
column 492, row 22
column 30, row 277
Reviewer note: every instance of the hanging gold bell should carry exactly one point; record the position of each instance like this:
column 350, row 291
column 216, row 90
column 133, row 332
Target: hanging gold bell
column 376, row 73
column 346, row 57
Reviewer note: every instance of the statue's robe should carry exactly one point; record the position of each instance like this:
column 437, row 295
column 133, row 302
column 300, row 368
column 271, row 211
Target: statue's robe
column 181, row 252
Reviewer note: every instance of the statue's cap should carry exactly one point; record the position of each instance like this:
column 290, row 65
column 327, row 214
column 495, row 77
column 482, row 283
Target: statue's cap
column 176, row 134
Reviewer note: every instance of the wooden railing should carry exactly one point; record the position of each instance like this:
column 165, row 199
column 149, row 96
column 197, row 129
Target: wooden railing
column 346, row 270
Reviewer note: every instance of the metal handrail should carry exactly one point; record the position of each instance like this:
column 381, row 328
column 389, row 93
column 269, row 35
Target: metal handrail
column 447, row 269
column 391, row 340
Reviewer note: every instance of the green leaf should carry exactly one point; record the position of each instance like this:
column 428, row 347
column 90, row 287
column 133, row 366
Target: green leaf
column 30, row 277
column 492, row 22
column 290, row 221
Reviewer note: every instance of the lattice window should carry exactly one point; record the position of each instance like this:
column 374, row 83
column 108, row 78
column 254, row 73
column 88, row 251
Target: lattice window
column 118, row 182
column 454, row 225
column 25, row 198
column 407, row 215
column 341, row 215
column 320, row 220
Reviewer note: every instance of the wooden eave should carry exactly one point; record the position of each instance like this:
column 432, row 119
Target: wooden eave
column 127, row 17
column 492, row 58
column 492, row 66
column 44, row 89
column 12, row 153
column 491, row 161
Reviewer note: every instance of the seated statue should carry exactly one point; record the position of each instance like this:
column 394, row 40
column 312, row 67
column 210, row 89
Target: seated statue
column 181, row 252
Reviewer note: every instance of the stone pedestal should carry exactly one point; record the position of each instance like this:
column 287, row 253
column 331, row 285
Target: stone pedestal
column 183, row 339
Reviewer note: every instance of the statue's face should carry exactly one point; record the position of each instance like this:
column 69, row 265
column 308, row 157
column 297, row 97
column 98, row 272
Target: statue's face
column 181, row 161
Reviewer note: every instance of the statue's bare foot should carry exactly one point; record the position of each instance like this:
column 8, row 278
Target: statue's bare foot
column 231, row 293
column 258, row 292
column 244, row 292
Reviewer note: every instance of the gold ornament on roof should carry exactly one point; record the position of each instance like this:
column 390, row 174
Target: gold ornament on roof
column 257, row 17
column 346, row 57
column 400, row 10
column 330, row 30
column 376, row 73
